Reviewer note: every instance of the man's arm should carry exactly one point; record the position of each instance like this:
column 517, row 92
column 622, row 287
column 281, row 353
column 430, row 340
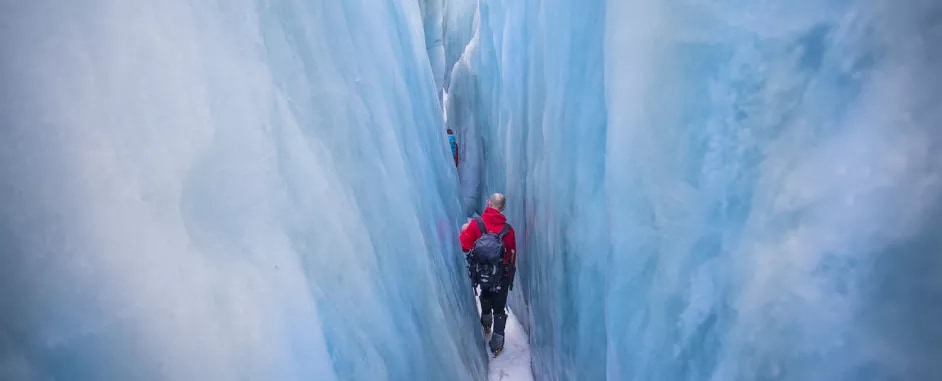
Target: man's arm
column 510, row 242
column 469, row 234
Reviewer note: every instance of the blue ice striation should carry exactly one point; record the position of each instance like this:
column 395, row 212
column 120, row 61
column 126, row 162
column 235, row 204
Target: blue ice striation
column 457, row 29
column 225, row 191
column 432, row 21
column 722, row 190
column 702, row 190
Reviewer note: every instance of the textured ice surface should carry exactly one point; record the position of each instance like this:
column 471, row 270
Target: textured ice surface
column 233, row 190
column 432, row 22
column 714, row 190
column 457, row 26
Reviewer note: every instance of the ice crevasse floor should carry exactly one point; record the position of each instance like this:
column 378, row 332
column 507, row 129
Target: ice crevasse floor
column 513, row 364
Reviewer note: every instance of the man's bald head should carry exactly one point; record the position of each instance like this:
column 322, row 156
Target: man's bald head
column 497, row 201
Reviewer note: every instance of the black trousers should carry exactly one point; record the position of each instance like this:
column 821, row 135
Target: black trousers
column 495, row 304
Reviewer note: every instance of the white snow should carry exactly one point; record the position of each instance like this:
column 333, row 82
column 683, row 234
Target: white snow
column 513, row 363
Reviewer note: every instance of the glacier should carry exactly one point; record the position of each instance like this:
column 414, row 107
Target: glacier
column 264, row 190
column 712, row 190
column 221, row 191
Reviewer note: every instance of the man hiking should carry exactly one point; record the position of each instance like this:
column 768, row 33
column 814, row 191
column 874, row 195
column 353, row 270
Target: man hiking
column 492, row 258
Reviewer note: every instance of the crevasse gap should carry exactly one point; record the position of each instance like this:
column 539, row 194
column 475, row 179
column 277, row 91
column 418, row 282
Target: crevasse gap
column 702, row 190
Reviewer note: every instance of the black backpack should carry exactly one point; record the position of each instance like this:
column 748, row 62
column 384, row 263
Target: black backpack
column 486, row 259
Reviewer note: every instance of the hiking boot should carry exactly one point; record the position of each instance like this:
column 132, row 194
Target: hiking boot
column 497, row 344
column 487, row 321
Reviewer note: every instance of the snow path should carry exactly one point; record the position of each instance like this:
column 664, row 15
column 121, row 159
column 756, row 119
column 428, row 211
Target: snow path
column 513, row 364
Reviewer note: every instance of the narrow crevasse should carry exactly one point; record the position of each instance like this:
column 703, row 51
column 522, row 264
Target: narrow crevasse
column 263, row 190
column 712, row 190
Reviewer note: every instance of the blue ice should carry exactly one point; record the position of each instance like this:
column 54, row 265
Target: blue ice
column 222, row 191
column 264, row 190
column 714, row 190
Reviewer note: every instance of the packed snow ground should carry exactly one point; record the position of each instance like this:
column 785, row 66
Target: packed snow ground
column 513, row 364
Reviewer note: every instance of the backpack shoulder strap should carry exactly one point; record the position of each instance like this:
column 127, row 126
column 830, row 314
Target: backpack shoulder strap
column 504, row 231
column 481, row 226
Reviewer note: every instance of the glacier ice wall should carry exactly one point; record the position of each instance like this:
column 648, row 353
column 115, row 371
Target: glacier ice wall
column 457, row 29
column 715, row 190
column 209, row 191
column 432, row 20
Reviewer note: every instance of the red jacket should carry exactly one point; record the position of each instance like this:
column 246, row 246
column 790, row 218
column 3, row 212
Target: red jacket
column 494, row 222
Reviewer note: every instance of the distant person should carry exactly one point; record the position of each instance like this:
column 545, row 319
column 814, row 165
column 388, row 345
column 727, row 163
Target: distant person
column 492, row 260
column 454, row 145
